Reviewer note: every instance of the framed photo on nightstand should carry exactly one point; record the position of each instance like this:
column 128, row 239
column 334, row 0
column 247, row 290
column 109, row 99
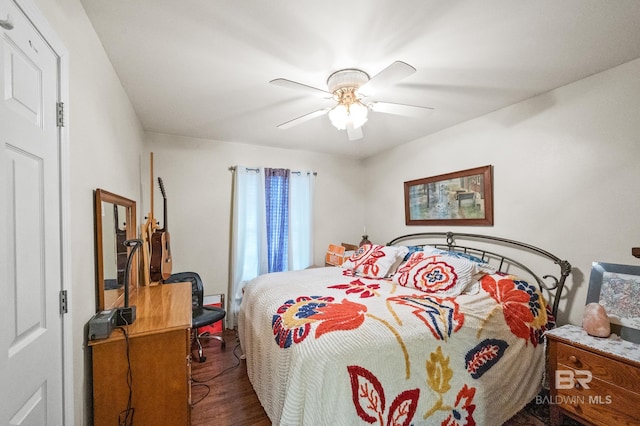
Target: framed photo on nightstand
column 617, row 289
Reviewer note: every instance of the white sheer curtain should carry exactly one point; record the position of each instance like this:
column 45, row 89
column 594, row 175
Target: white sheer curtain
column 249, row 253
column 301, row 189
column 249, row 234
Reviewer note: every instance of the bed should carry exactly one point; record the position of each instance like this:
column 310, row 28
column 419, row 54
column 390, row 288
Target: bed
column 450, row 334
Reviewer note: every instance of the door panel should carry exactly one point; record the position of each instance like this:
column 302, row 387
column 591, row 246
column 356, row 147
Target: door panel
column 22, row 82
column 32, row 412
column 24, row 188
column 31, row 268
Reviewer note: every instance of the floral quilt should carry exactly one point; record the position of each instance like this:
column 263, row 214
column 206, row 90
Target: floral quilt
column 325, row 348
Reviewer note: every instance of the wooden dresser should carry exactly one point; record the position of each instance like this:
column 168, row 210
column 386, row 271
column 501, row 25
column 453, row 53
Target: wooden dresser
column 593, row 380
column 159, row 352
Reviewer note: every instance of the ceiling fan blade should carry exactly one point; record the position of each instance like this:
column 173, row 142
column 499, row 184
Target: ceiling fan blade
column 353, row 133
column 303, row 118
column 400, row 109
column 289, row 84
column 388, row 76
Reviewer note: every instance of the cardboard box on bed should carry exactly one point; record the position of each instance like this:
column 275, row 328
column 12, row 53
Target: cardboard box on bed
column 334, row 255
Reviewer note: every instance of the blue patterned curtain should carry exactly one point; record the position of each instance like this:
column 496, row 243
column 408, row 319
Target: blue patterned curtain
column 277, row 205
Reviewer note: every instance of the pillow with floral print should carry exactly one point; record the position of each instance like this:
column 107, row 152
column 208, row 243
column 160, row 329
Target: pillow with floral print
column 411, row 250
column 375, row 261
column 440, row 273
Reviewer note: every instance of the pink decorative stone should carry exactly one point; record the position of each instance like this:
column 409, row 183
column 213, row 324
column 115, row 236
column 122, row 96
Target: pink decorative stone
column 596, row 321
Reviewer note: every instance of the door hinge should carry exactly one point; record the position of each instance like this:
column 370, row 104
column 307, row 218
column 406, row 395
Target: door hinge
column 60, row 114
column 63, row 302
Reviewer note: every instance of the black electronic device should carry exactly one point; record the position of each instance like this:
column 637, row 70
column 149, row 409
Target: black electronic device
column 127, row 314
column 102, row 324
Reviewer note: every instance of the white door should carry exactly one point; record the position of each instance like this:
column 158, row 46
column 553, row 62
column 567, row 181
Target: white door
column 30, row 230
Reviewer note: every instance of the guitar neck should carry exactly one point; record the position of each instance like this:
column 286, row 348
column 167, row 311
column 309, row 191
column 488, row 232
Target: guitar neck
column 151, row 186
column 165, row 215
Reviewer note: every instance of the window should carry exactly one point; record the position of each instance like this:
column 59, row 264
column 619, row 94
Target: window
column 272, row 226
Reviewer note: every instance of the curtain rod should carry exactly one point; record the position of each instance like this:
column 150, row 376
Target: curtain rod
column 248, row 169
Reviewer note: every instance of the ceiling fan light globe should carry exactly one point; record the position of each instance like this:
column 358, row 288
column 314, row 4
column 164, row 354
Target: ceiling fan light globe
column 358, row 114
column 339, row 117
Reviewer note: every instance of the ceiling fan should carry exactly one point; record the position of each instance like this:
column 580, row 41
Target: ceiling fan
column 352, row 89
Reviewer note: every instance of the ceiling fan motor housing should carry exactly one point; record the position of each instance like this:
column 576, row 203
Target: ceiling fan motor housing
column 350, row 77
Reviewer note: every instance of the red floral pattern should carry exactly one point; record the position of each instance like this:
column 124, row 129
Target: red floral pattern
column 366, row 259
column 484, row 355
column 519, row 307
column 357, row 286
column 462, row 413
column 370, row 402
column 430, row 273
column 292, row 322
column 339, row 316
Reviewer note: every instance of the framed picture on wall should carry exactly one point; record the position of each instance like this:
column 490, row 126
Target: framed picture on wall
column 617, row 289
column 459, row 198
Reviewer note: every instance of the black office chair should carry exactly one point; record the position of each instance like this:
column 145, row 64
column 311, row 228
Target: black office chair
column 200, row 315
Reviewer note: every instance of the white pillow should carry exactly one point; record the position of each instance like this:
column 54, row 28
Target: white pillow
column 375, row 261
column 440, row 273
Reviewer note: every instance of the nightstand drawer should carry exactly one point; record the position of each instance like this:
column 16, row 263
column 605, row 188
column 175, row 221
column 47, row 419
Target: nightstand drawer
column 601, row 403
column 593, row 380
column 606, row 369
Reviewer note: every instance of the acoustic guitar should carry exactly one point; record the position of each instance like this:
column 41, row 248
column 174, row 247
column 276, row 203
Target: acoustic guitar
column 160, row 268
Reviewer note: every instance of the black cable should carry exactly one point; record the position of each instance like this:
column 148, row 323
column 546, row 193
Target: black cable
column 226, row 370
column 204, row 396
column 125, row 418
column 202, row 383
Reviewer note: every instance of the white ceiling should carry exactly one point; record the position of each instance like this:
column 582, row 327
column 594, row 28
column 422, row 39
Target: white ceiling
column 201, row 68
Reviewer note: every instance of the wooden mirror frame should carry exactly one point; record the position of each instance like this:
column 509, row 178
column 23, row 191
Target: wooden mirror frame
column 104, row 301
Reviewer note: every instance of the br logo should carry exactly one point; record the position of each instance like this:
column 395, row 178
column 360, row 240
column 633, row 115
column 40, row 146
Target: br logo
column 568, row 379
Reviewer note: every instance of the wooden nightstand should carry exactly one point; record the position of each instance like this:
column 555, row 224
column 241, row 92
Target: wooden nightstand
column 593, row 380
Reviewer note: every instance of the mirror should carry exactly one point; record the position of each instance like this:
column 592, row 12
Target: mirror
column 115, row 222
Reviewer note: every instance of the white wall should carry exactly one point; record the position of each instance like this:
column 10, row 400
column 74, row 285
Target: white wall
column 566, row 174
column 197, row 180
column 105, row 143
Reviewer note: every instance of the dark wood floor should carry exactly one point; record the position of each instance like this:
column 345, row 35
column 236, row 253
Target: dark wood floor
column 221, row 393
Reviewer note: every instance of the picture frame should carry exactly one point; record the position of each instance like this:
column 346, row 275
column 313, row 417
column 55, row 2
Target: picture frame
column 460, row 198
column 617, row 288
